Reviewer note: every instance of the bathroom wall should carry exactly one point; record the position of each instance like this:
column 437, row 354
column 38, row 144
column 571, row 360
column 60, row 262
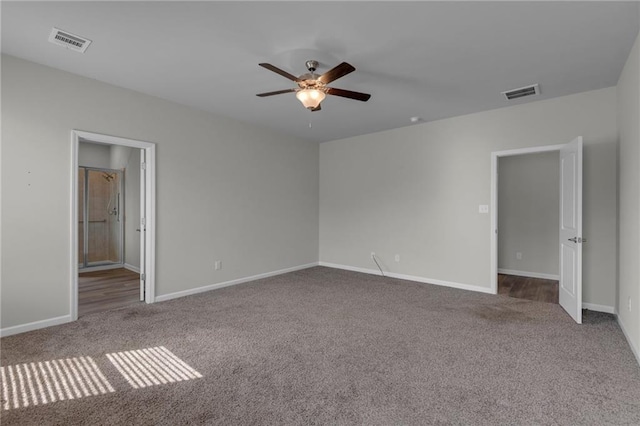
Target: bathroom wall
column 128, row 160
column 94, row 155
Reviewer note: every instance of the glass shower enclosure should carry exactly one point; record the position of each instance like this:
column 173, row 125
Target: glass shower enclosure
column 100, row 217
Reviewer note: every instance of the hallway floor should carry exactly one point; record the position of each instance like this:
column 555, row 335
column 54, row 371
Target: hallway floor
column 536, row 289
column 105, row 290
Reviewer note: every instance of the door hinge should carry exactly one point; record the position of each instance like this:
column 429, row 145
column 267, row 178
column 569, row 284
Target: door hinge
column 143, row 277
column 143, row 166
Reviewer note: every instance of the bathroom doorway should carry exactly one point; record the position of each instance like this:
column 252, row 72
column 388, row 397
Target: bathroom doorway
column 113, row 223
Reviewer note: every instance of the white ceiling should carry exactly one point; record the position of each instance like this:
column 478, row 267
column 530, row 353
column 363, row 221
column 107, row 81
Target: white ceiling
column 428, row 59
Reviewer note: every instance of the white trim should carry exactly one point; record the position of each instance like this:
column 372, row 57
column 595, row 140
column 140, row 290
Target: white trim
column 132, row 268
column 191, row 291
column 23, row 328
column 100, row 268
column 351, row 268
column 530, row 150
column 150, row 234
column 112, row 140
column 73, row 227
column 493, row 230
column 636, row 351
column 469, row 287
column 529, row 274
column 599, row 308
column 150, row 224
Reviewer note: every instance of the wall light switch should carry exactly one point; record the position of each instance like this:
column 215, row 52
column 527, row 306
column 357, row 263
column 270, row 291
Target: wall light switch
column 483, row 208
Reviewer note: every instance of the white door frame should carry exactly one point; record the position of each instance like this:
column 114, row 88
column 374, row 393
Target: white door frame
column 150, row 201
column 494, row 201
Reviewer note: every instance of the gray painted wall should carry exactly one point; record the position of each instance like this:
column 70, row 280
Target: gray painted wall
column 629, row 198
column 128, row 159
column 528, row 212
column 132, row 203
column 415, row 191
column 226, row 190
column 94, row 155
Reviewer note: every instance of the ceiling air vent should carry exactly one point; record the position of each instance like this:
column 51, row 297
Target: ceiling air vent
column 68, row 40
column 522, row 92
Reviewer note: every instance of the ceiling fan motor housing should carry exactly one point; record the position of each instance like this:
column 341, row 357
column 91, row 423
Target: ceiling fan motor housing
column 311, row 65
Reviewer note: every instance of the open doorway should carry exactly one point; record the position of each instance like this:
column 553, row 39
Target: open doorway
column 108, row 226
column 570, row 238
column 528, row 223
column 112, row 232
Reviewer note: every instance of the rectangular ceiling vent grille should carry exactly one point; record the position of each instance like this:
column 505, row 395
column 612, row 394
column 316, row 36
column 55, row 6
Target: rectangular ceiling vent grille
column 68, row 40
column 522, row 92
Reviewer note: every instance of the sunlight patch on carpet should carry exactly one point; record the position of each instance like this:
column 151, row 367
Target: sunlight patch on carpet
column 151, row 366
column 37, row 383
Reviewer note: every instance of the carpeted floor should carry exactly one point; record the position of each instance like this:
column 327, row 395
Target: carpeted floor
column 324, row 346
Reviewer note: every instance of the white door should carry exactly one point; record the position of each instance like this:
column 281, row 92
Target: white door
column 143, row 225
column 571, row 229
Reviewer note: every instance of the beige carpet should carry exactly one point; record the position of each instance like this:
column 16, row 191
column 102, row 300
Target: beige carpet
column 323, row 346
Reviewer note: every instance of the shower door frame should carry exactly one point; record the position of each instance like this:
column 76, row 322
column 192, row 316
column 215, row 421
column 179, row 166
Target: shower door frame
column 85, row 252
column 148, row 202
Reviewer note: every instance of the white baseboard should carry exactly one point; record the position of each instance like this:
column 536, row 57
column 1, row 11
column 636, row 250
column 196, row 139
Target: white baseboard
column 165, row 297
column 423, row 280
column 599, row 308
column 529, row 274
column 636, row 351
column 132, row 268
column 23, row 328
column 101, row 268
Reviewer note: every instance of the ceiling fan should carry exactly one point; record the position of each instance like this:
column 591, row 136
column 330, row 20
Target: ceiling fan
column 312, row 88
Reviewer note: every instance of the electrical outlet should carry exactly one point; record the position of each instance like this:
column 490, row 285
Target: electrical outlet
column 483, row 208
column 629, row 304
column 518, row 256
column 397, row 258
column 217, row 265
column 373, row 254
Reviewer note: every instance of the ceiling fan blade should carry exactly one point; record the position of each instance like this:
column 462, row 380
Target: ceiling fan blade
column 318, row 108
column 364, row 97
column 336, row 72
column 279, row 71
column 277, row 92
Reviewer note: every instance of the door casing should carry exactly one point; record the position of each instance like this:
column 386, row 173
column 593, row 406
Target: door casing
column 150, row 209
column 494, row 203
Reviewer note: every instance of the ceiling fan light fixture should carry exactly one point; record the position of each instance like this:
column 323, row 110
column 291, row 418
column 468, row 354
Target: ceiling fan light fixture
column 310, row 98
